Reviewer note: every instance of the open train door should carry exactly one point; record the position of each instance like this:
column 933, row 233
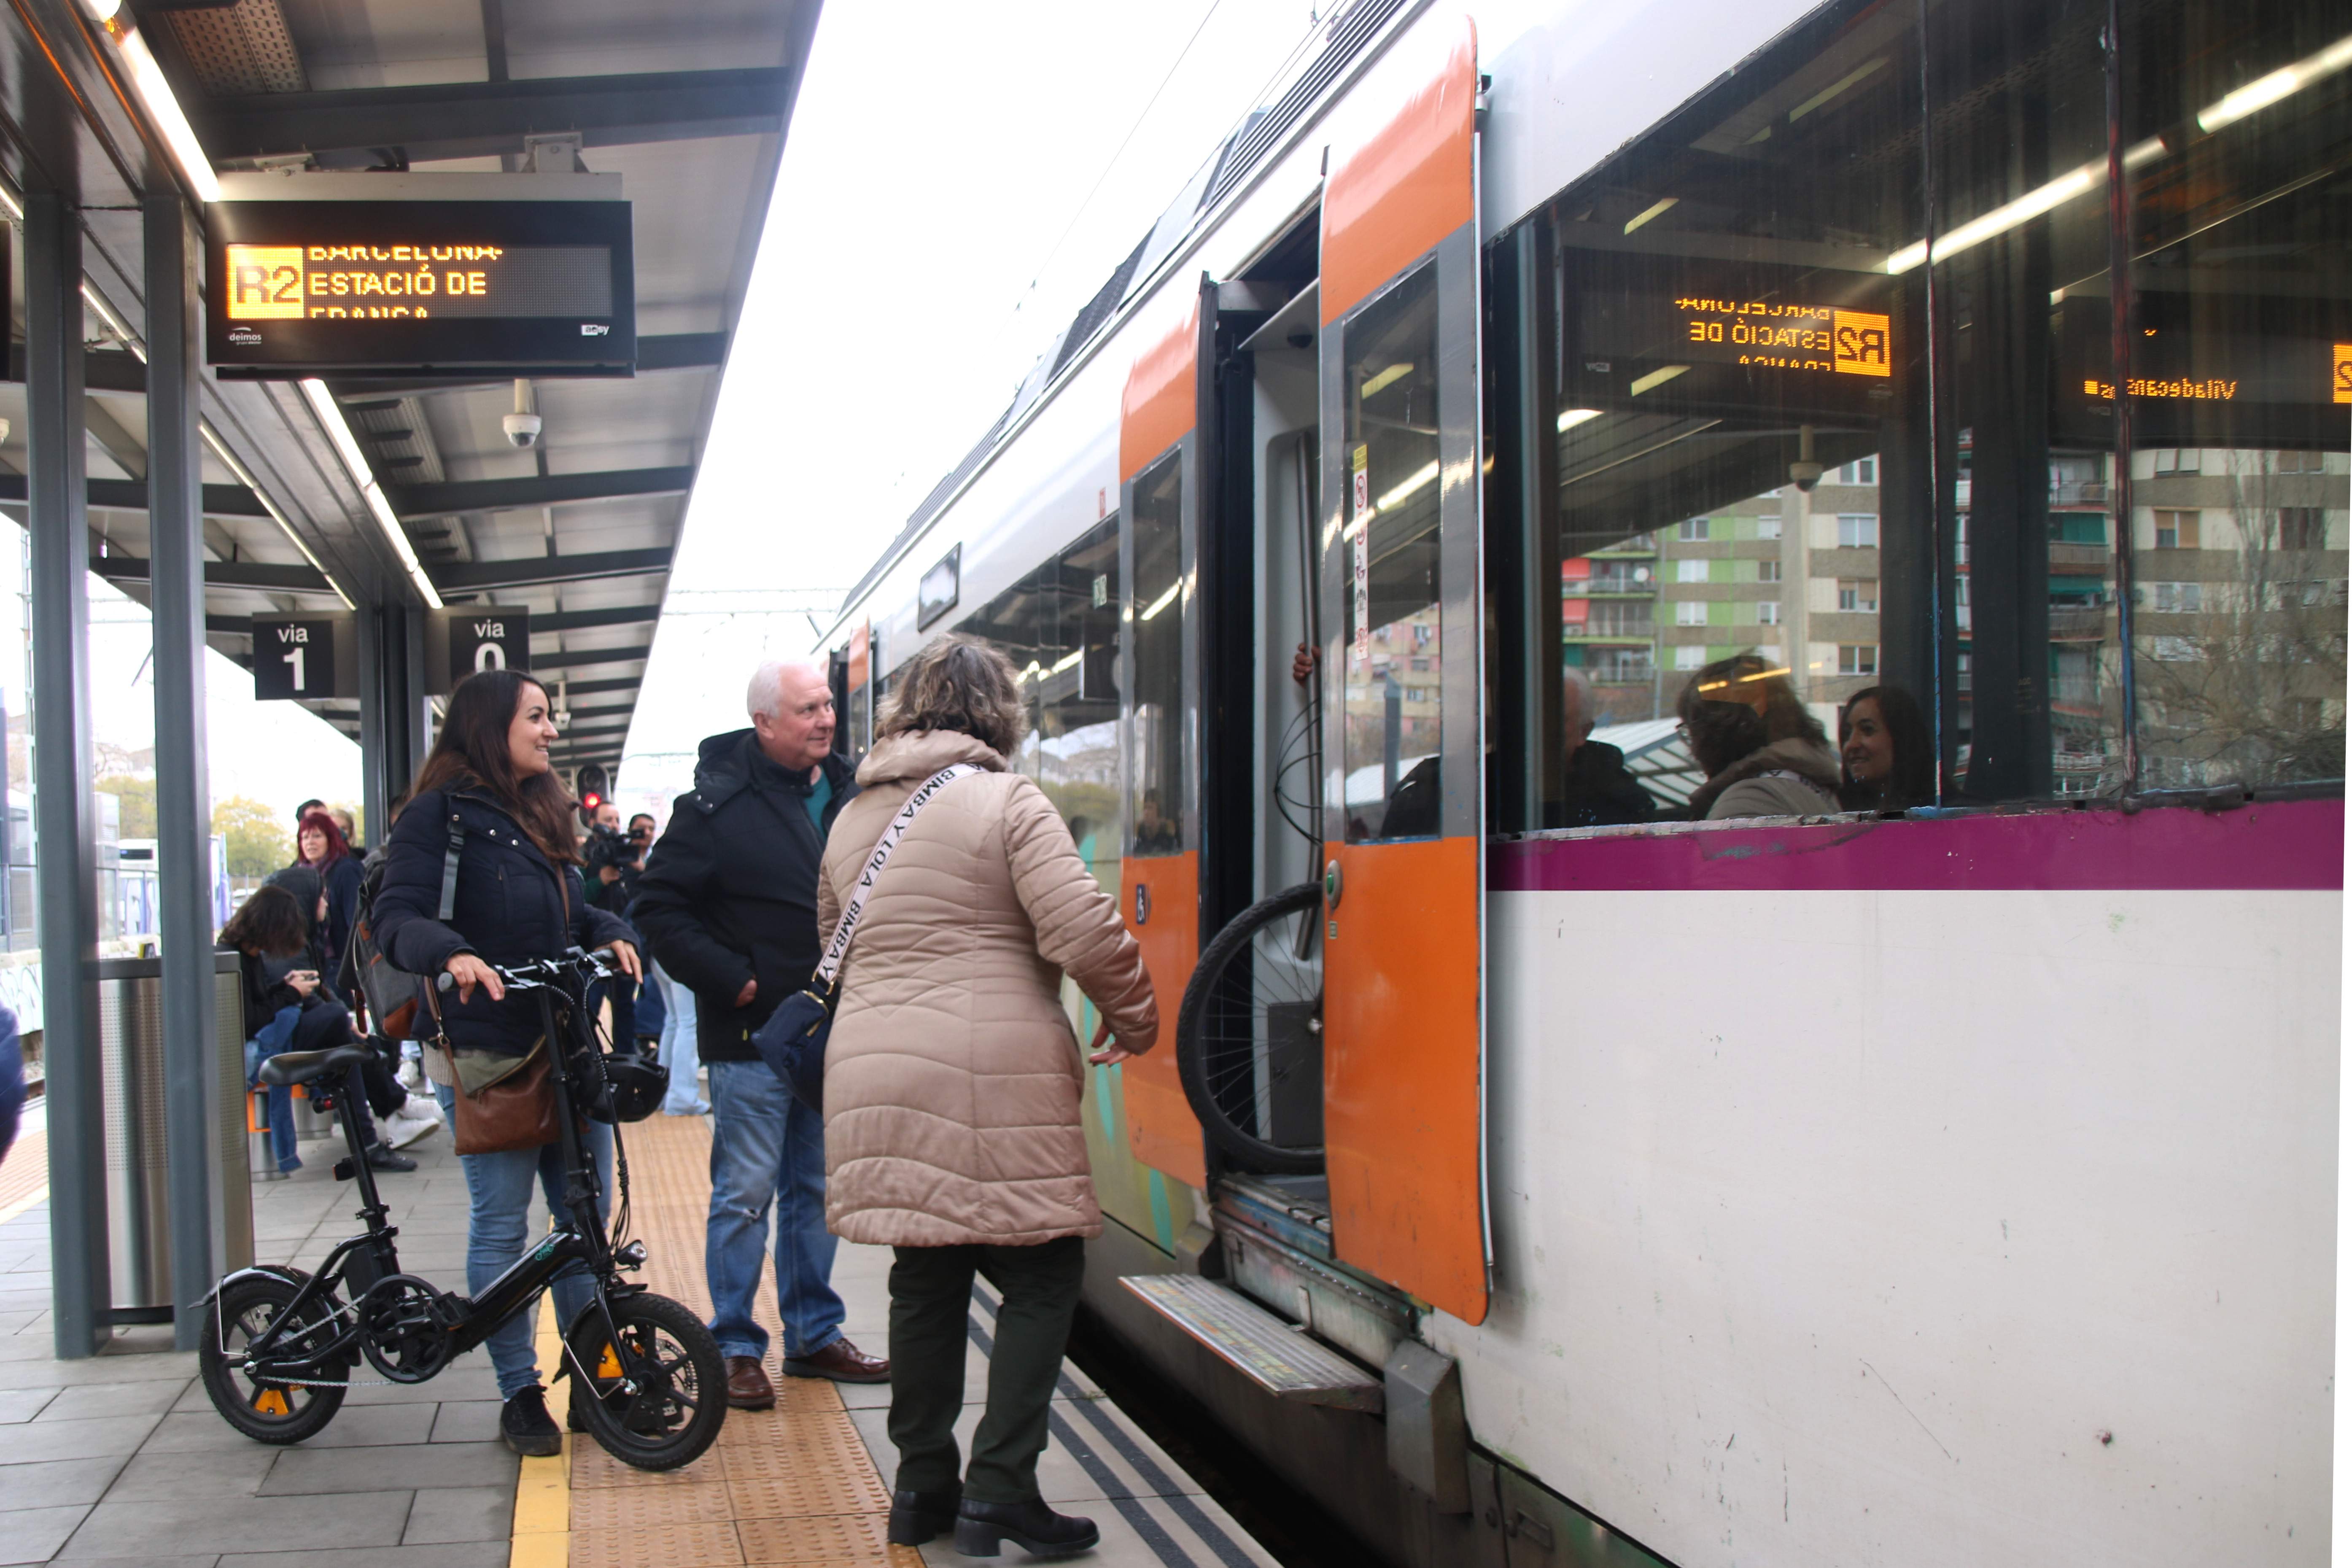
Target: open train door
column 1404, row 884
column 1160, row 707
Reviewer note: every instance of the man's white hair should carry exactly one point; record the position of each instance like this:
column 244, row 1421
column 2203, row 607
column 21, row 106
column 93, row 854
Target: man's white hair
column 766, row 692
column 1572, row 680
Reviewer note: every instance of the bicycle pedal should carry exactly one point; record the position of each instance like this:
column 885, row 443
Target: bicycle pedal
column 343, row 1171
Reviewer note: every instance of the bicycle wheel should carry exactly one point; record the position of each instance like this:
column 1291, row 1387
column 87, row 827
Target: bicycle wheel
column 656, row 1399
column 1249, row 1036
column 269, row 1410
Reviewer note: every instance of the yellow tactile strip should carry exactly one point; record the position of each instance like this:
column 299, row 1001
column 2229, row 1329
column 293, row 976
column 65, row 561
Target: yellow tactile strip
column 788, row 1486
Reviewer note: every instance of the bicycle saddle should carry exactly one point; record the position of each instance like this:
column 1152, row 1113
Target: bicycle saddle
column 301, row 1066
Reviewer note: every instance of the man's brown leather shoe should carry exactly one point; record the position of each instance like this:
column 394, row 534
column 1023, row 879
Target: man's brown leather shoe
column 747, row 1387
column 842, row 1362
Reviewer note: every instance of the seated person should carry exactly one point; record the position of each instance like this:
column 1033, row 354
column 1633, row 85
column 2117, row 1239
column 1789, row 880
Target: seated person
column 1596, row 790
column 1764, row 753
column 1890, row 764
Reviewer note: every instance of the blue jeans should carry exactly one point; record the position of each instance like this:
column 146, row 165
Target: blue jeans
column 767, row 1148
column 498, row 1228
column 677, row 1052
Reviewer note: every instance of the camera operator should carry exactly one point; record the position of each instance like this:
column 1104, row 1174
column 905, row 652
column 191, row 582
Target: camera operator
column 613, row 860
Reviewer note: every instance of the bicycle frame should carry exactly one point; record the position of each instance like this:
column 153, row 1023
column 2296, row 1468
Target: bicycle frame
column 364, row 1259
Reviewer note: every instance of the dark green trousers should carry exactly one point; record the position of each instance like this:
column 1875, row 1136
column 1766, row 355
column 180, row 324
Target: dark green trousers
column 931, row 1300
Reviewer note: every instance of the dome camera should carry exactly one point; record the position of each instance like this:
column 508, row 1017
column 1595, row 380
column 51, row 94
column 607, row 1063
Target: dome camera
column 1805, row 473
column 523, row 430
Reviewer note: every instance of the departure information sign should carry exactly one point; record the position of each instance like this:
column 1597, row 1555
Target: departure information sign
column 425, row 289
column 1783, row 335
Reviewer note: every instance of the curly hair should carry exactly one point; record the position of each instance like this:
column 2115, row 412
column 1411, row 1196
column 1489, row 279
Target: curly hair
column 271, row 922
column 959, row 683
column 1736, row 706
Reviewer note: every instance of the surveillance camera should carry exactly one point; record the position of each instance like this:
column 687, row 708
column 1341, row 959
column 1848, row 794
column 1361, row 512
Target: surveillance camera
column 523, row 430
column 1805, row 476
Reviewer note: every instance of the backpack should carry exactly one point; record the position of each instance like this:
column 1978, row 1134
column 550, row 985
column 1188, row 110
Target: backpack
column 391, row 993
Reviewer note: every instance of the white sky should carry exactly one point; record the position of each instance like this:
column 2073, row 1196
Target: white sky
column 935, row 158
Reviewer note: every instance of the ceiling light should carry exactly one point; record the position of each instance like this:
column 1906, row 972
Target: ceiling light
column 1658, row 377
column 1647, row 213
column 1388, row 377
column 155, row 92
column 1417, row 482
column 2264, row 91
column 339, row 431
column 245, row 476
column 2090, row 177
column 1569, row 418
column 114, row 323
column 1161, row 603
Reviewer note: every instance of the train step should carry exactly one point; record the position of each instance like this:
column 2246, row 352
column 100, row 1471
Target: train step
column 1275, row 1355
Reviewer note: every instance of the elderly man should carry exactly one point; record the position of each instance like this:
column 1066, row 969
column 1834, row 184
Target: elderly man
column 1597, row 790
column 728, row 904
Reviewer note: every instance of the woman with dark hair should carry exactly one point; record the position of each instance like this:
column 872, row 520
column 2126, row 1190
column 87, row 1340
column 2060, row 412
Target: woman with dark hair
column 952, row 1086
column 1890, row 763
column 320, row 844
column 286, row 1009
column 1764, row 754
column 489, row 791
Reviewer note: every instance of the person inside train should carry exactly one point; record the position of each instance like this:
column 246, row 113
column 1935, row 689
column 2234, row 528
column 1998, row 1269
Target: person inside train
column 952, row 1125
column 1596, row 790
column 1154, row 834
column 1764, row 754
column 1890, row 763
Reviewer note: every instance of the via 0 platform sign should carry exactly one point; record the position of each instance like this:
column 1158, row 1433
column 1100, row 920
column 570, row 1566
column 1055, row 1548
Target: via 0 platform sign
column 294, row 657
column 425, row 288
column 471, row 637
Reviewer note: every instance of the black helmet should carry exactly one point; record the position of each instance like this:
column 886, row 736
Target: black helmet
column 635, row 1085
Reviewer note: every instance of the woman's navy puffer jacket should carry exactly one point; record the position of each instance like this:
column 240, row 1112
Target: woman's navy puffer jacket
column 513, row 905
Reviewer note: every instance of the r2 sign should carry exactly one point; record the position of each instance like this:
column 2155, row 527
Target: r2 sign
column 488, row 639
column 293, row 658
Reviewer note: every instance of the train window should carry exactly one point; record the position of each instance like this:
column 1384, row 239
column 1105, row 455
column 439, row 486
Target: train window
column 1078, row 698
column 1155, row 796
column 2239, row 381
column 1394, row 717
column 1737, row 425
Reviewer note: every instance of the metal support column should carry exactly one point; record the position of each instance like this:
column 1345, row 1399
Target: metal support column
column 183, row 788
column 63, row 812
column 376, row 791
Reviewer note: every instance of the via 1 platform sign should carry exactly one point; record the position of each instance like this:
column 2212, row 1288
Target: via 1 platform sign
column 319, row 288
column 293, row 658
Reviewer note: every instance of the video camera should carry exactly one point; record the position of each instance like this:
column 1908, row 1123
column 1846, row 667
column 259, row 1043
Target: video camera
column 610, row 847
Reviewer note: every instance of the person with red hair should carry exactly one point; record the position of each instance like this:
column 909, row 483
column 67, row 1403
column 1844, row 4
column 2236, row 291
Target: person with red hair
column 320, row 844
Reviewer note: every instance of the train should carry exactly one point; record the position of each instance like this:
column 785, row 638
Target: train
column 1943, row 1178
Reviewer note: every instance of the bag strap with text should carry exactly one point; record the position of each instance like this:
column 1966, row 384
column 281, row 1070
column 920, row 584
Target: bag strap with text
column 847, row 928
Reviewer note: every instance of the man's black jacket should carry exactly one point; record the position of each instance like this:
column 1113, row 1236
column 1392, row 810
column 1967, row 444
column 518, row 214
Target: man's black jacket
column 729, row 893
column 1599, row 792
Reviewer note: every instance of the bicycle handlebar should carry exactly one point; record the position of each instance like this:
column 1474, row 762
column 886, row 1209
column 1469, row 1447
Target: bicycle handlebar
column 601, row 965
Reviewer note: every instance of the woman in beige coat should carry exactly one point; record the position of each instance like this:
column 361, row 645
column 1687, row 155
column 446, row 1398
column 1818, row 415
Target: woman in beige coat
column 951, row 1087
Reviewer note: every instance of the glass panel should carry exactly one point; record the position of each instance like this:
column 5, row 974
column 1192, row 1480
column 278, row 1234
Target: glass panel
column 1741, row 431
column 2240, row 121
column 1077, row 701
column 1156, row 747
column 1019, row 621
column 1392, row 687
column 2021, row 267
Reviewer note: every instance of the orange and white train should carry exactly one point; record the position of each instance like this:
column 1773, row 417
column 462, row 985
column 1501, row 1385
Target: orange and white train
column 1946, row 1182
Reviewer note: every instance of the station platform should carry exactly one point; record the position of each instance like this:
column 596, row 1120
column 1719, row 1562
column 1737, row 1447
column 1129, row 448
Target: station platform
column 120, row 1458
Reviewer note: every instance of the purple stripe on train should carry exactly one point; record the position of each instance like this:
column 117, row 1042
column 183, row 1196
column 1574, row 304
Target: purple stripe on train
column 2284, row 845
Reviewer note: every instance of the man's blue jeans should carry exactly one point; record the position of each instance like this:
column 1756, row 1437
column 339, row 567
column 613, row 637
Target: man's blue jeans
column 767, row 1148
column 498, row 1229
column 677, row 1052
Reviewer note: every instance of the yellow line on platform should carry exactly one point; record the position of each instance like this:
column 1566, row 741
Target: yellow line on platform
column 543, row 1505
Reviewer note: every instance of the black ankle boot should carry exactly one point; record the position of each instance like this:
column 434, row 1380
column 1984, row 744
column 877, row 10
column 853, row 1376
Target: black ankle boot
column 916, row 1516
column 982, row 1528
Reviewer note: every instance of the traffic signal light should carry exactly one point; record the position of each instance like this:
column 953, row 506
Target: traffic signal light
column 596, row 787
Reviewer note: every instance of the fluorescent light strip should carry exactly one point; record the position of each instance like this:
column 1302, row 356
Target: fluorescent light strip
column 245, row 476
column 114, row 323
column 155, row 92
column 1653, row 210
column 2080, row 182
column 1067, row 660
column 2285, row 83
column 1418, row 482
column 1161, row 603
column 1569, row 418
column 1658, row 377
column 1388, row 377
column 347, row 446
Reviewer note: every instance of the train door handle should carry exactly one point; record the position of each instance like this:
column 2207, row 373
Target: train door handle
column 1332, row 885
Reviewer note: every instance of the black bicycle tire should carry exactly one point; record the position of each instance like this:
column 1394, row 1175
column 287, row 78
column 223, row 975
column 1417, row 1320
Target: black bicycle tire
column 219, row 1377
column 690, row 1442
column 1241, row 1146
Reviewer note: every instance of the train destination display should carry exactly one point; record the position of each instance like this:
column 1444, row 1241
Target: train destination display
column 420, row 288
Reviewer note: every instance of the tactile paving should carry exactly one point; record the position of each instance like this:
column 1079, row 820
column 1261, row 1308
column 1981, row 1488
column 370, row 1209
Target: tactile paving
column 849, row 1538
column 617, row 1507
column 807, row 1495
column 709, row 1544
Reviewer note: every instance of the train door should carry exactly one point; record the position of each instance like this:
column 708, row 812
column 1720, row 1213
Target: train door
column 1403, row 747
column 1159, row 464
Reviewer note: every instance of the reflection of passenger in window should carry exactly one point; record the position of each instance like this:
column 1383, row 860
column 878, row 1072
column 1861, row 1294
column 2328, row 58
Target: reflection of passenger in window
column 1154, row 834
column 1597, row 791
column 1889, row 760
column 1764, row 754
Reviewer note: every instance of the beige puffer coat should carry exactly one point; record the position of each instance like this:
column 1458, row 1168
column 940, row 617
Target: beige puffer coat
column 953, row 1075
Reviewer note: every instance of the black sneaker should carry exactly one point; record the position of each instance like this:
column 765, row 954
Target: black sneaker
column 525, row 1426
column 380, row 1158
column 916, row 1516
column 982, row 1528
